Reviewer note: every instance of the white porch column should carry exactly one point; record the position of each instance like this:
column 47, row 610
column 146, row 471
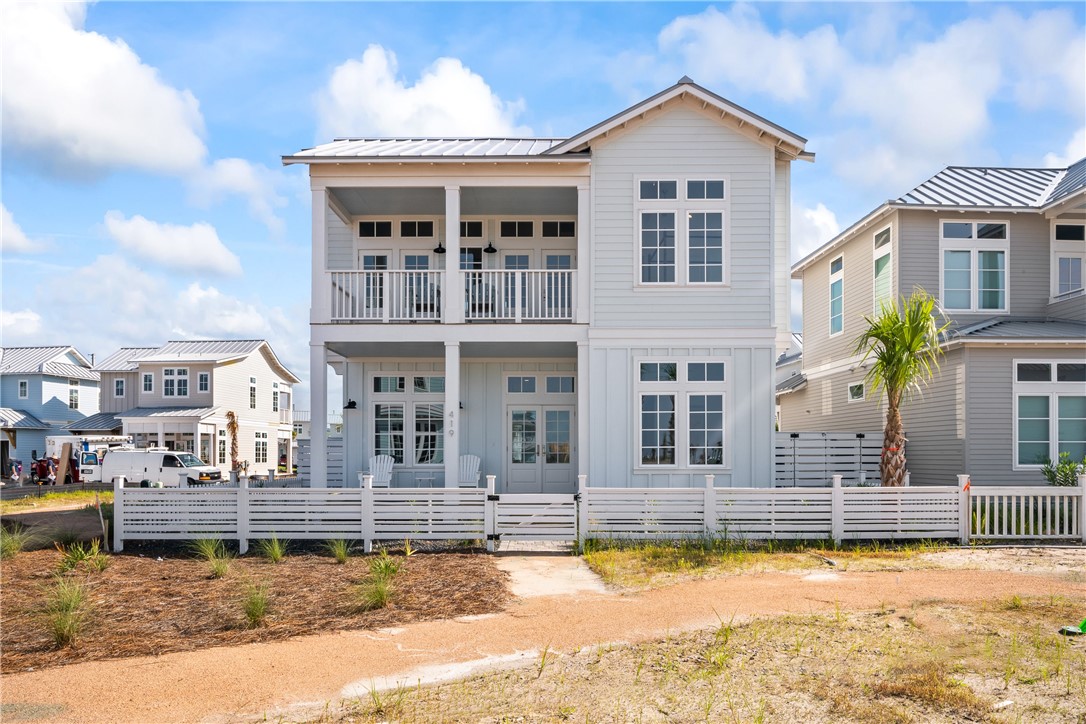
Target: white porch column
column 160, row 434
column 452, row 296
column 582, row 408
column 584, row 255
column 320, row 310
column 318, row 416
column 452, row 411
column 196, row 439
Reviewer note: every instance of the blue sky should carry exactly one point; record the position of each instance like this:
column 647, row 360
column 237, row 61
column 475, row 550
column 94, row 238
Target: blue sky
column 144, row 199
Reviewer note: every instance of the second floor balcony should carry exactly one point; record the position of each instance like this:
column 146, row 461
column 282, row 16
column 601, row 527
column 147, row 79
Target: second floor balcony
column 506, row 295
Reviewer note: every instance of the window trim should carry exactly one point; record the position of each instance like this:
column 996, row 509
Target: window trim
column 146, row 377
column 974, row 246
column 24, row 389
column 863, row 392
column 408, row 400
column 203, row 382
column 639, row 280
column 73, row 389
column 681, row 206
column 1053, row 390
column 176, row 375
column 688, row 247
column 1066, row 250
column 877, row 254
column 123, row 384
column 253, row 396
column 836, row 276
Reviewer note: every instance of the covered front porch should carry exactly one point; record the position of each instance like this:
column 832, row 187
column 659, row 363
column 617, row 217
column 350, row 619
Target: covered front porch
column 425, row 404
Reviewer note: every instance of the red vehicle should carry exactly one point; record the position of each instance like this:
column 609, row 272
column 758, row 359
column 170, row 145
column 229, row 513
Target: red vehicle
column 46, row 469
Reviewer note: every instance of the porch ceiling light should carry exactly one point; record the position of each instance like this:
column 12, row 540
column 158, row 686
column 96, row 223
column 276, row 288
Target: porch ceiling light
column 489, row 249
column 439, row 249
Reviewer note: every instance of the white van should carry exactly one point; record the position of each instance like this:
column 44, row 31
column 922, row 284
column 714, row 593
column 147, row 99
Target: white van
column 157, row 465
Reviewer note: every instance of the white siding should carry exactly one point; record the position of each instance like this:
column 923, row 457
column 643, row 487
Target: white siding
column 782, row 212
column 157, row 399
column 341, row 243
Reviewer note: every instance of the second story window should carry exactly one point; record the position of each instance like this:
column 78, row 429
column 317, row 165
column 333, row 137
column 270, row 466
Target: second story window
column 175, row 382
column 1068, row 258
column 275, row 397
column 73, row 394
column 416, row 229
column 837, row 295
column 203, row 382
column 375, row 229
column 252, row 393
column 884, row 286
column 517, row 229
column 657, row 247
column 705, row 239
column 973, row 256
column 559, row 229
column 471, row 229
column 118, row 387
column 24, row 389
column 658, row 190
column 148, row 382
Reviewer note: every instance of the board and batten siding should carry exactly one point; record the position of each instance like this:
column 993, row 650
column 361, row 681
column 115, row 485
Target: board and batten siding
column 131, row 397
column 680, row 142
column 858, row 258
column 1029, row 260
column 990, row 413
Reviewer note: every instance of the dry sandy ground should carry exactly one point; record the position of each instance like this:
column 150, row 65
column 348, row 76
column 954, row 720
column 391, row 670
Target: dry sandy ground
column 290, row 678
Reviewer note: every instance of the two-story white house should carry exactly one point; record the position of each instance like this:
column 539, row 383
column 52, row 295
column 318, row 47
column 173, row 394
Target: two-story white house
column 178, row 396
column 609, row 304
column 1003, row 251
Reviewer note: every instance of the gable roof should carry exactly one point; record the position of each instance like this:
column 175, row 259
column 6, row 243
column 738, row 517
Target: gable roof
column 12, row 419
column 213, row 351
column 973, row 187
column 43, row 360
column 124, row 360
column 575, row 148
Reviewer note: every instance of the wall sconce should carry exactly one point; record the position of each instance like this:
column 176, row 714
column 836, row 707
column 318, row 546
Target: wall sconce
column 489, row 249
column 439, row 249
column 351, row 405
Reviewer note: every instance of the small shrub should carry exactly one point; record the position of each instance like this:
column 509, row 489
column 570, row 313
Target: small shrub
column 66, row 610
column 273, row 549
column 1064, row 472
column 374, row 594
column 219, row 567
column 256, row 603
column 76, row 553
column 339, row 548
column 384, row 567
column 208, row 548
column 13, row 541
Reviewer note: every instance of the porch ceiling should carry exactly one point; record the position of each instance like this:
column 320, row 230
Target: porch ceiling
column 531, row 350
column 474, row 201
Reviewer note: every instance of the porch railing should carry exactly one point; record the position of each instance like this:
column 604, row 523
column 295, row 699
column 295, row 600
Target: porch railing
column 516, row 296
column 386, row 296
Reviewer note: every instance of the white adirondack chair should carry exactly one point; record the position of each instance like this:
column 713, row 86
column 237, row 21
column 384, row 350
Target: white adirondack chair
column 469, row 471
column 381, row 470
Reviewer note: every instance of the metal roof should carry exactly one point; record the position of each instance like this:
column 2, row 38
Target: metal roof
column 979, row 186
column 1018, row 328
column 62, row 369
column 203, row 350
column 792, row 384
column 200, row 412
column 102, row 422
column 124, row 359
column 29, row 360
column 355, row 148
column 11, row 419
column 1074, row 180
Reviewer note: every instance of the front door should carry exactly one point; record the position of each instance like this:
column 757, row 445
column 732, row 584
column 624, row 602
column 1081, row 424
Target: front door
column 539, row 449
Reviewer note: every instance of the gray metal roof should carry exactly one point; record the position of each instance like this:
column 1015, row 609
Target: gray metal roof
column 102, row 422
column 793, row 383
column 29, row 360
column 1017, row 328
column 124, row 359
column 209, row 350
column 200, row 412
column 11, row 419
column 62, row 369
column 429, row 148
column 1073, row 180
column 979, row 186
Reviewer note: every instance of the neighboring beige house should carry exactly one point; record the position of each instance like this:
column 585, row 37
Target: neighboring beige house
column 1003, row 250
column 177, row 396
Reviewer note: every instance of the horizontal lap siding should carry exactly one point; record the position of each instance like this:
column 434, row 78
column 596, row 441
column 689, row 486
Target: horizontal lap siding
column 1074, row 308
column 341, row 254
column 681, row 142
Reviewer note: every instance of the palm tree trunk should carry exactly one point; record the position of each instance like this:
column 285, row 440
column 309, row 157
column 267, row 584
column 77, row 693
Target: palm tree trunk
column 892, row 465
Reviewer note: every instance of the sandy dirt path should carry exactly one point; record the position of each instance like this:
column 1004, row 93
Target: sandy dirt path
column 289, row 677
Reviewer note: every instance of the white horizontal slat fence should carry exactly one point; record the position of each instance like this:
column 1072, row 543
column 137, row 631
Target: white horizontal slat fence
column 535, row 517
column 778, row 513
column 898, row 513
column 806, row 459
column 642, row 512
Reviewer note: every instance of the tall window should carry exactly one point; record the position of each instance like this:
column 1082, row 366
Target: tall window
column 222, row 447
column 24, row 389
column 275, row 397
column 203, row 382
column 973, row 255
column 118, row 387
column 73, row 394
column 681, row 413
column 429, row 434
column 884, row 292
column 388, row 431
column 1068, row 258
column 1050, row 411
column 175, row 382
column 261, row 454
column 657, row 429
column 148, row 382
column 419, row 400
column 252, row 393
column 705, row 239
column 837, row 295
column 657, row 247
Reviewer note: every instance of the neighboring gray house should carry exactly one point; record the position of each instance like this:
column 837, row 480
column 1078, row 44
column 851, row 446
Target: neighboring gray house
column 42, row 389
column 609, row 304
column 1003, row 249
column 177, row 396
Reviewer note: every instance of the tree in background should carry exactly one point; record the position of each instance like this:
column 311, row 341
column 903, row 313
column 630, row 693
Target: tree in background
column 904, row 346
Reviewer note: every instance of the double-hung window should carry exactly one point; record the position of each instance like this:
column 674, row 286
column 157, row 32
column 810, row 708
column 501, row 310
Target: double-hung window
column 118, row 387
column 252, row 393
column 203, row 382
column 681, row 406
column 73, row 394
column 148, row 382
column 681, row 228
column 1068, row 258
column 1050, row 411
column 24, row 389
column 261, row 452
column 973, row 260
column 418, row 399
column 837, row 295
column 883, row 282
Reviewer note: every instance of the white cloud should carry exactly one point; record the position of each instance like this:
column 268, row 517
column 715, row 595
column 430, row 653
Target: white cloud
column 1075, row 150
column 188, row 248
column 23, row 325
column 82, row 102
column 209, row 312
column 256, row 182
column 811, row 228
column 12, row 237
column 365, row 97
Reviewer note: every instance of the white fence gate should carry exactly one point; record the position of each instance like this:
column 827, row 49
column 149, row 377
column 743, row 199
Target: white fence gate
column 805, row 459
column 373, row 514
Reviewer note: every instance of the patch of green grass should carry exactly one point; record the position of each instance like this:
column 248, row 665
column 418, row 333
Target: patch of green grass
column 14, row 540
column 58, row 499
column 66, row 610
column 256, row 602
column 91, row 556
column 339, row 548
column 273, row 549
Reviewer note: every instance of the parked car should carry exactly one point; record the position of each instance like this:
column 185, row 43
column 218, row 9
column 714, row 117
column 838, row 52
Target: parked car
column 155, row 465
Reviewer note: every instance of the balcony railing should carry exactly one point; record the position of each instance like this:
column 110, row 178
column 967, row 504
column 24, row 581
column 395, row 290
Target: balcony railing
column 530, row 295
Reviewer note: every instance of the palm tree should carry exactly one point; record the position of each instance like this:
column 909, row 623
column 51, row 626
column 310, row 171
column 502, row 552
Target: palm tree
column 904, row 344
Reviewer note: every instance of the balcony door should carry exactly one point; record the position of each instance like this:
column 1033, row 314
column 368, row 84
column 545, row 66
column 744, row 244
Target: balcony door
column 539, row 449
column 371, row 304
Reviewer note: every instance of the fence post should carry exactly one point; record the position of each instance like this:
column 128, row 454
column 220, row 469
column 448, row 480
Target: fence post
column 862, row 479
column 368, row 524
column 1081, row 507
column 490, row 510
column 582, row 511
column 837, row 510
column 271, row 477
column 710, row 505
column 118, row 515
column 965, row 509
column 907, row 478
column 243, row 516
